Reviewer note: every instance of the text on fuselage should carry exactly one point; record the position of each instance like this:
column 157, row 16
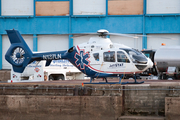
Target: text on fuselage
column 116, row 65
column 52, row 57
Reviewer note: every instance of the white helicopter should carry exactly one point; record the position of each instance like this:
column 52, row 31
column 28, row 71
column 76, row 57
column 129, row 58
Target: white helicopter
column 97, row 58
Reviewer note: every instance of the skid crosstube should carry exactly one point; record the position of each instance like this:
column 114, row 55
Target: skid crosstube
column 120, row 78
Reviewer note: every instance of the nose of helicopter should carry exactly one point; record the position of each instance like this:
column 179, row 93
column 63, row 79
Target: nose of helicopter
column 150, row 63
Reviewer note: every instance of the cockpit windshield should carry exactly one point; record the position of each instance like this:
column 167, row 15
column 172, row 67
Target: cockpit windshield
column 136, row 56
column 132, row 51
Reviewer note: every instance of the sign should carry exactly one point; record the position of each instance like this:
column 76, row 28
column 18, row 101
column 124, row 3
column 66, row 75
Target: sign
column 37, row 69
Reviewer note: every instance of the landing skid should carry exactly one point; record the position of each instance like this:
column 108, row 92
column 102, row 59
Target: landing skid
column 122, row 83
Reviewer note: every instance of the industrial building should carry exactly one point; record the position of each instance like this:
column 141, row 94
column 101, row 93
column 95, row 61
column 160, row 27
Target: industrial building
column 46, row 24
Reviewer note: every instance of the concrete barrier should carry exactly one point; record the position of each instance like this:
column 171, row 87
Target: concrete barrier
column 172, row 108
column 145, row 100
column 31, row 107
column 5, row 75
column 43, row 101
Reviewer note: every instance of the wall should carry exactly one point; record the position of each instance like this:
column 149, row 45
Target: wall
column 145, row 102
column 52, row 101
column 59, row 107
column 5, row 75
column 47, row 102
column 172, row 108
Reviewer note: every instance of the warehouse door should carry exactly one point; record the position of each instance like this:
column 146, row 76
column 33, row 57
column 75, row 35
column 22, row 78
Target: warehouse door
column 154, row 41
column 132, row 42
column 53, row 42
column 6, row 45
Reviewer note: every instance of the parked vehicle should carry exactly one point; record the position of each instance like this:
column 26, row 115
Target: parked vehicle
column 166, row 61
column 57, row 70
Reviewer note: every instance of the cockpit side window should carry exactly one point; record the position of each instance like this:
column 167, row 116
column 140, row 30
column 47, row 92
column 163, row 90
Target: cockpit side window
column 96, row 56
column 121, row 57
column 109, row 56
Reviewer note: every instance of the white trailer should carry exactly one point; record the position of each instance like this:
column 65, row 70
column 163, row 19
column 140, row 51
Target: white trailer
column 167, row 60
column 57, row 70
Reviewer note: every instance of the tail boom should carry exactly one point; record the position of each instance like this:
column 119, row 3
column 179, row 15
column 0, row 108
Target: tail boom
column 19, row 54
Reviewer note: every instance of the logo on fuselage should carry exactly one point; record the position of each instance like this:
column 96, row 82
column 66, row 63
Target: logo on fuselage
column 82, row 59
column 116, row 65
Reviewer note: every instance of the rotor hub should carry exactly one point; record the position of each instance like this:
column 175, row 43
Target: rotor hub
column 102, row 32
column 18, row 55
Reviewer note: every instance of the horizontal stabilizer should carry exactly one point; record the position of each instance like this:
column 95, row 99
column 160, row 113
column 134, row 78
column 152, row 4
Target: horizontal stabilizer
column 18, row 69
column 48, row 62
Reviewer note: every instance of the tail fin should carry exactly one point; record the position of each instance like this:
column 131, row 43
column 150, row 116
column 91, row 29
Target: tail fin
column 19, row 54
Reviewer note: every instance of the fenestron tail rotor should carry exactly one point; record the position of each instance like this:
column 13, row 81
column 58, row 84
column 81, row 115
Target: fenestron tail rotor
column 18, row 55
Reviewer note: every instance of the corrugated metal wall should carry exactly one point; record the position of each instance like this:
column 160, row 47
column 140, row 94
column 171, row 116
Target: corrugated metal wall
column 81, row 39
column 163, row 6
column 128, row 41
column 154, row 41
column 89, row 7
column 53, row 42
column 17, row 7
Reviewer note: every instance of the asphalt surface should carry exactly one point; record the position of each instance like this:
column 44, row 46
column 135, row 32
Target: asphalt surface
column 80, row 82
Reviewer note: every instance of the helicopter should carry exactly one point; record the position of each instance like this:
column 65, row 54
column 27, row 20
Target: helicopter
column 97, row 58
